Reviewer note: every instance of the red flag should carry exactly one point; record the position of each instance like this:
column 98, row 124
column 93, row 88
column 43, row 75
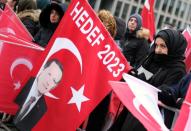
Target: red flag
column 16, row 60
column 184, row 118
column 141, row 99
column 11, row 25
column 187, row 35
column 89, row 57
column 148, row 17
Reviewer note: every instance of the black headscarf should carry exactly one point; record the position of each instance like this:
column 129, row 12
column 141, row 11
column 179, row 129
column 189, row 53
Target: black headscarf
column 175, row 41
column 45, row 14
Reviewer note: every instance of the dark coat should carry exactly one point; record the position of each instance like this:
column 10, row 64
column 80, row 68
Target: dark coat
column 36, row 113
column 170, row 95
column 30, row 18
column 135, row 49
column 47, row 28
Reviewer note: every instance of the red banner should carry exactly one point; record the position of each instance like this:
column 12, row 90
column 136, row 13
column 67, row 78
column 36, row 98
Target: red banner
column 11, row 25
column 16, row 60
column 148, row 17
column 187, row 35
column 89, row 58
column 141, row 101
column 184, row 118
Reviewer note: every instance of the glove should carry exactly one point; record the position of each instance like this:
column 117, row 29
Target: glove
column 167, row 97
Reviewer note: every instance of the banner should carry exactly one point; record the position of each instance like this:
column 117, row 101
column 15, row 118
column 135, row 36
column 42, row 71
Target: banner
column 184, row 118
column 141, row 100
column 85, row 57
column 187, row 35
column 11, row 24
column 148, row 17
column 16, row 62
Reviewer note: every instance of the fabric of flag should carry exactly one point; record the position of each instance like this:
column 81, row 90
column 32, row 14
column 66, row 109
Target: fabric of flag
column 17, row 60
column 141, row 100
column 184, row 118
column 187, row 35
column 11, row 25
column 89, row 57
column 148, row 17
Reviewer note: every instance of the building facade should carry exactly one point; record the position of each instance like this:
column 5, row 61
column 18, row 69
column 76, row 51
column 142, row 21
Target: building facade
column 177, row 13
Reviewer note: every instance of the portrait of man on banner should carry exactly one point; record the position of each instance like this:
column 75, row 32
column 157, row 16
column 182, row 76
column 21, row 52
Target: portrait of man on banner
column 31, row 99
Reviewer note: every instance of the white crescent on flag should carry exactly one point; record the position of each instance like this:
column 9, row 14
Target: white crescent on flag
column 19, row 61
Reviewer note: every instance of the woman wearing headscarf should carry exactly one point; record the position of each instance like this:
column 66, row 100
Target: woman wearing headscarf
column 49, row 20
column 163, row 66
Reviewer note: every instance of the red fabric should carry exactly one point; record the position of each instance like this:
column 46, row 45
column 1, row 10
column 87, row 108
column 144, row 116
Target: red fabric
column 130, row 101
column 95, row 64
column 148, row 17
column 115, row 106
column 184, row 118
column 16, row 60
column 187, row 35
column 11, row 25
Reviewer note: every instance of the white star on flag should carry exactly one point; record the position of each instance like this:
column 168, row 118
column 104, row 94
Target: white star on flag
column 17, row 85
column 78, row 97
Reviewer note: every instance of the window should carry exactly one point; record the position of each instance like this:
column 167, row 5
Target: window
column 157, row 4
column 125, row 11
column 133, row 10
column 118, row 8
column 178, row 8
column 171, row 6
column 167, row 20
column 179, row 25
column 174, row 22
column 160, row 22
column 182, row 9
column 164, row 5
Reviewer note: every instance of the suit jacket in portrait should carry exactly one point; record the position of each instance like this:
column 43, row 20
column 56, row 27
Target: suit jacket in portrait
column 35, row 114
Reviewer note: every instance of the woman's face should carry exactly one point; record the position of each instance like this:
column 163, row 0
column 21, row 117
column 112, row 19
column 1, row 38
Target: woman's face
column 161, row 47
column 54, row 16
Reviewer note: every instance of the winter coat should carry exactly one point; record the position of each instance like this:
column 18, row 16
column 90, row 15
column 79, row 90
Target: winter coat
column 135, row 49
column 174, row 96
column 30, row 18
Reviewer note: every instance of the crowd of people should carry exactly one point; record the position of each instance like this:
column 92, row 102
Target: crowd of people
column 160, row 64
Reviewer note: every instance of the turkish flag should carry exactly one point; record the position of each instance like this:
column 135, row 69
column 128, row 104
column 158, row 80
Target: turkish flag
column 89, row 57
column 187, row 35
column 184, row 118
column 11, row 25
column 16, row 60
column 148, row 17
column 141, row 100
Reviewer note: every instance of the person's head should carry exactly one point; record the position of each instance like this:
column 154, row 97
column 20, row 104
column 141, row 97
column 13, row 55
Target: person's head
column 134, row 22
column 170, row 42
column 26, row 5
column 51, row 14
column 121, row 28
column 108, row 20
column 50, row 76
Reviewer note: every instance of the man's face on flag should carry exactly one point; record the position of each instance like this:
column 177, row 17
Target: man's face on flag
column 49, row 78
